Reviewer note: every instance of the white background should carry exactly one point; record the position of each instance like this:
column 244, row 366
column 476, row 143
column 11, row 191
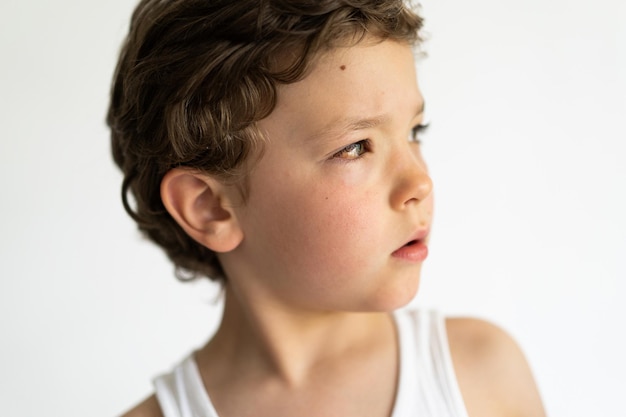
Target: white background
column 527, row 101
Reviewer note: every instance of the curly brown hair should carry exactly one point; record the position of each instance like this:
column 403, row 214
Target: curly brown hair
column 194, row 77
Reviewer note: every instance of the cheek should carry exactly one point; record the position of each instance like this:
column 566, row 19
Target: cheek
column 321, row 225
column 342, row 232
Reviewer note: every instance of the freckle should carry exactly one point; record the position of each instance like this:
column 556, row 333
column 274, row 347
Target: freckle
column 343, row 67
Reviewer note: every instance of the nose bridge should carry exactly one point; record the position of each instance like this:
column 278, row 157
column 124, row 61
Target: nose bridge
column 411, row 180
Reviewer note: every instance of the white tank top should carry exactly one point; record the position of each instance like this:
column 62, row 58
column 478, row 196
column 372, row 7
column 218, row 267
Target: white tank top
column 427, row 385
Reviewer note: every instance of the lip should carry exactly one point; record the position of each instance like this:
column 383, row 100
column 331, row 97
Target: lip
column 415, row 249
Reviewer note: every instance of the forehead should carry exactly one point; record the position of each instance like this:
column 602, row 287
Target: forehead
column 372, row 79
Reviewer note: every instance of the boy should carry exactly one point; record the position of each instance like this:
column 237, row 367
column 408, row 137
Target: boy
column 273, row 146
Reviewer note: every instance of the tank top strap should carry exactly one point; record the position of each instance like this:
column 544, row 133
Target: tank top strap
column 427, row 381
column 181, row 392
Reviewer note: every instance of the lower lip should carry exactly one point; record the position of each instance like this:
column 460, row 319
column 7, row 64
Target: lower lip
column 416, row 252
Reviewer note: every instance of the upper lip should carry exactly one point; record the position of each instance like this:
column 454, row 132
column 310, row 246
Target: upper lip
column 418, row 236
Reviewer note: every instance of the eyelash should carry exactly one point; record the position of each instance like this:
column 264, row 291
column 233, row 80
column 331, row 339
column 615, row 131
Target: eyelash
column 417, row 131
column 365, row 144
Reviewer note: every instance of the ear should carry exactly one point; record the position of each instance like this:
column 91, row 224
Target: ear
column 202, row 206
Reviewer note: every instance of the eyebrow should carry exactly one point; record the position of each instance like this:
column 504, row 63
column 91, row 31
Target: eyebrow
column 351, row 124
column 360, row 124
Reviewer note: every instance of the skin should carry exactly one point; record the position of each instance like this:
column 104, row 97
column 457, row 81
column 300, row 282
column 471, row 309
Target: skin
column 326, row 246
column 311, row 256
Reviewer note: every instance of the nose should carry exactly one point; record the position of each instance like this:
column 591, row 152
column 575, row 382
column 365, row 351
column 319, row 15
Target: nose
column 411, row 184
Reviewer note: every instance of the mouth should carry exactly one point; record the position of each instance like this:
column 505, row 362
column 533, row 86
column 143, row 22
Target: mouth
column 420, row 236
column 415, row 250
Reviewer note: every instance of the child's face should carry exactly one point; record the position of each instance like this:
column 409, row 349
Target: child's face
column 341, row 187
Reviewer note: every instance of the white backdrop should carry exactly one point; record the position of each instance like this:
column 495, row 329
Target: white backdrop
column 527, row 102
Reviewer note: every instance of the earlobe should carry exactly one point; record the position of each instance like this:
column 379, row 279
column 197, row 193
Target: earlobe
column 200, row 205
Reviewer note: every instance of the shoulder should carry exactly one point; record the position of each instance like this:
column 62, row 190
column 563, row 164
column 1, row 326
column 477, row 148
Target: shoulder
column 148, row 408
column 493, row 374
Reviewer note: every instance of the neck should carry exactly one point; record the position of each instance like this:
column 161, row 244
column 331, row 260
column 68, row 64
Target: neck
column 271, row 340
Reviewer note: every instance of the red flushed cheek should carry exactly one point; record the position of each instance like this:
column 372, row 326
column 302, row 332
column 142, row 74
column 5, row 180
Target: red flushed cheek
column 333, row 228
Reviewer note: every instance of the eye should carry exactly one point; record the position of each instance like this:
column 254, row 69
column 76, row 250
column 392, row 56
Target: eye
column 353, row 151
column 417, row 132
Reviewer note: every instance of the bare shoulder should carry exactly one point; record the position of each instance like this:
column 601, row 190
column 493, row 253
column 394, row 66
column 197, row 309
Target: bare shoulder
column 493, row 373
column 147, row 408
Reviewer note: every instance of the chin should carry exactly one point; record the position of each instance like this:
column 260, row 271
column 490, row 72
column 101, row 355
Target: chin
column 393, row 298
